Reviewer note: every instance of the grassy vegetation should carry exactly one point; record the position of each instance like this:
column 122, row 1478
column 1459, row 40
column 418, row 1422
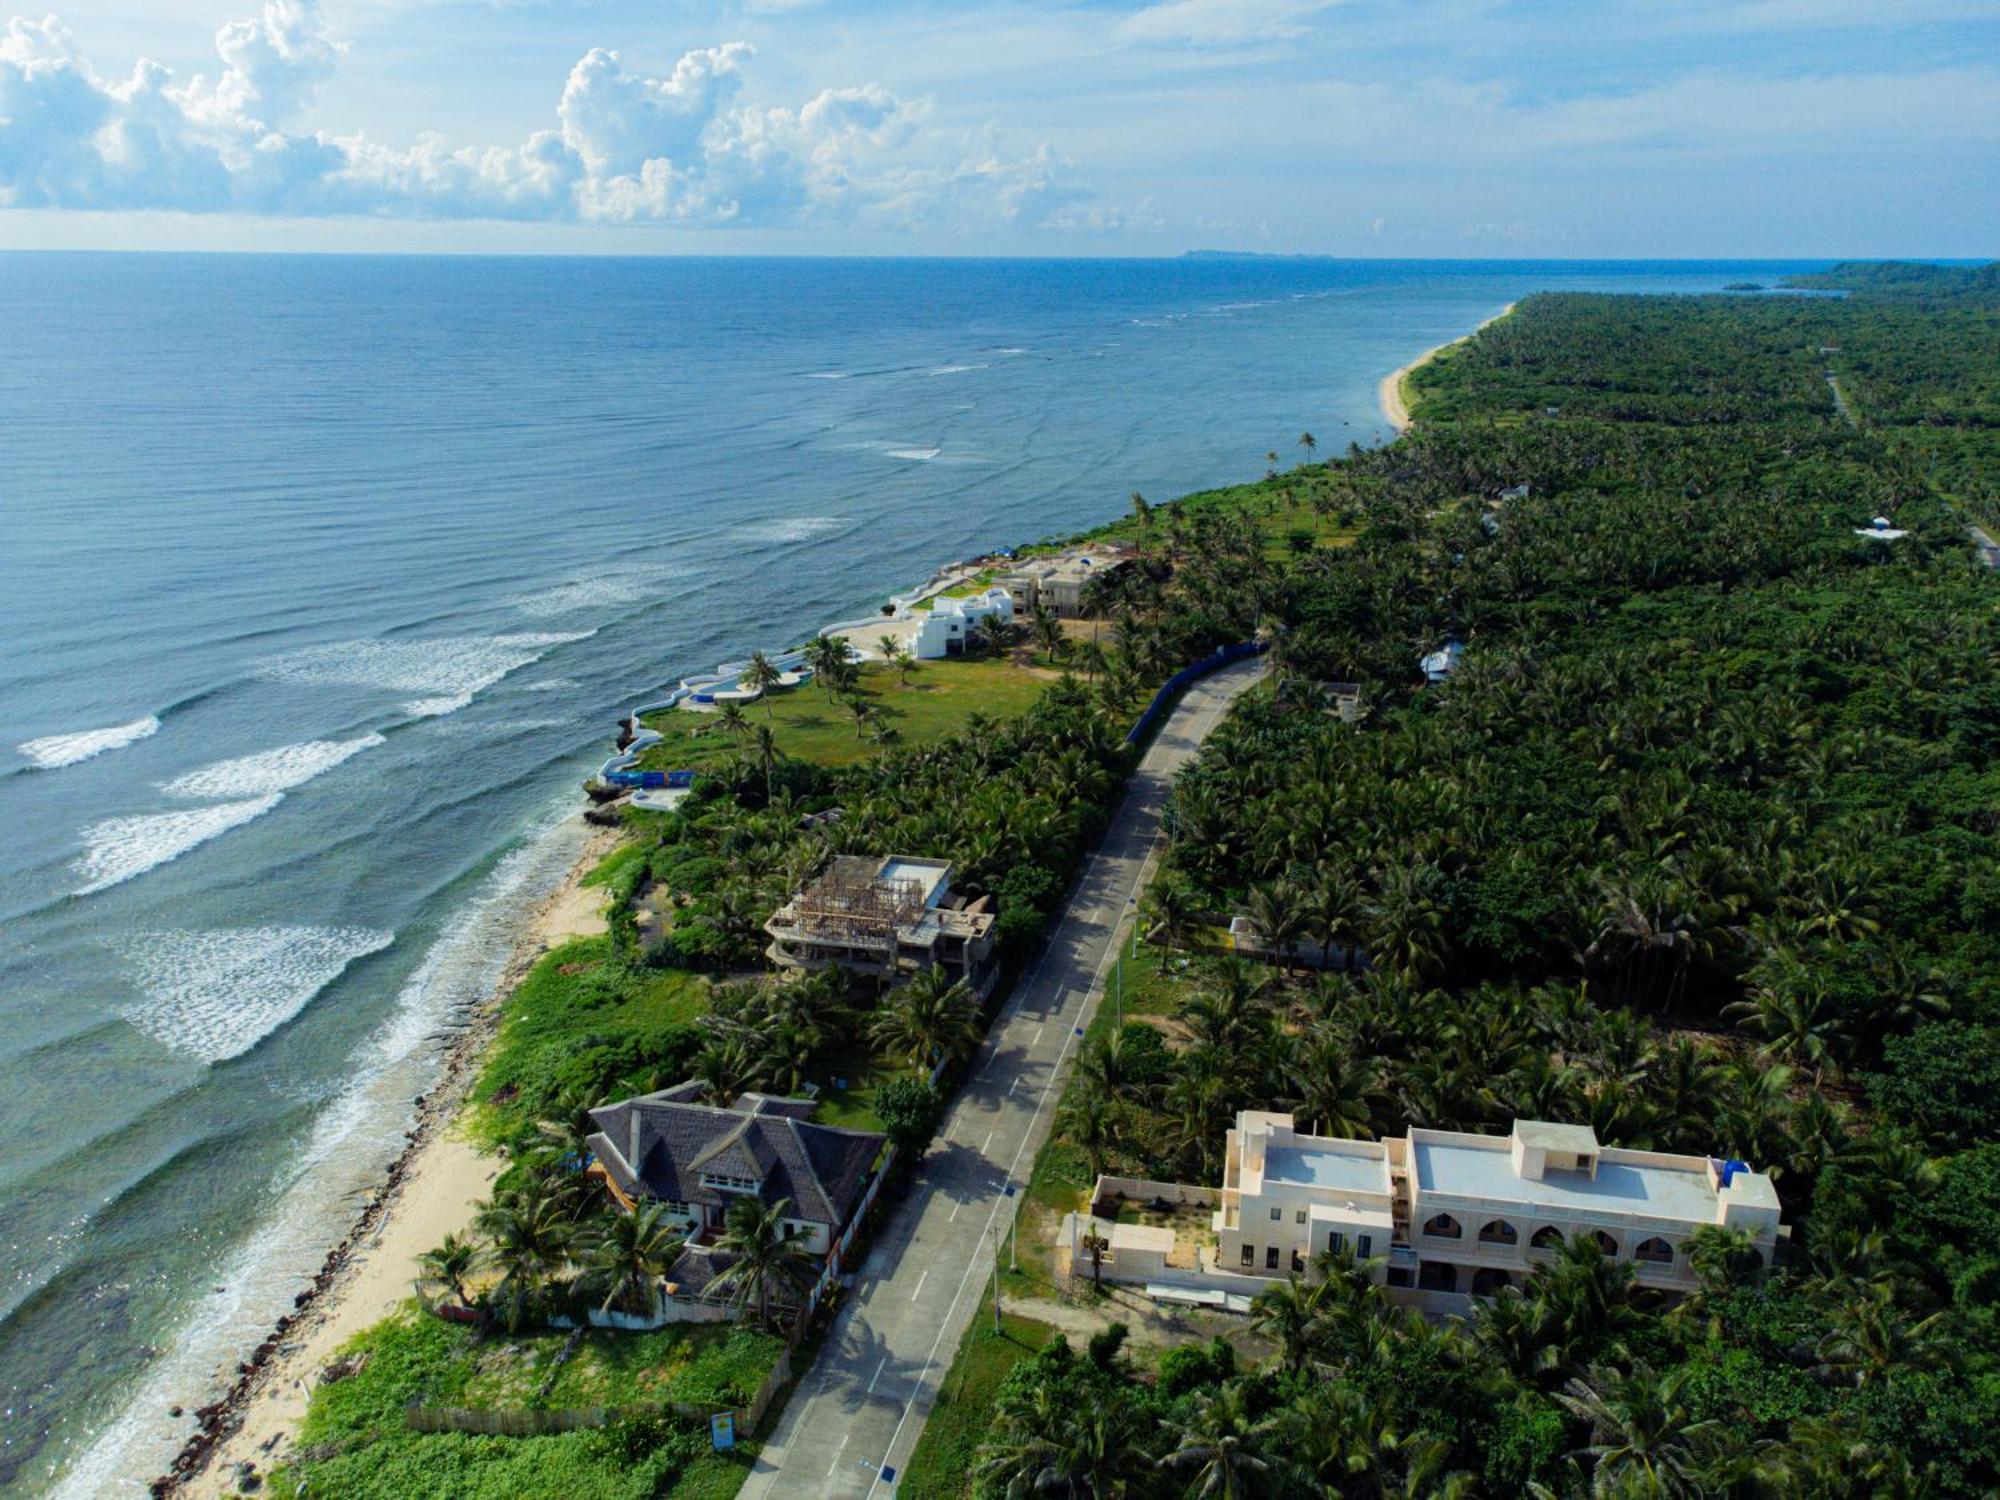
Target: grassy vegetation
column 583, row 1012
column 355, row 1442
column 847, row 1099
column 941, row 1466
column 933, row 704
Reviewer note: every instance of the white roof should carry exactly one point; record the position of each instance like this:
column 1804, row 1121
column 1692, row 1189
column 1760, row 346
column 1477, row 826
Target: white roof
column 1461, row 1169
column 1554, row 1137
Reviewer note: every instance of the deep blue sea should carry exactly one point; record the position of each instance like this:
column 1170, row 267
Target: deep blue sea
column 322, row 583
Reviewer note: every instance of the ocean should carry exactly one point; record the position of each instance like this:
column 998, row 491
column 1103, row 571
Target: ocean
column 323, row 582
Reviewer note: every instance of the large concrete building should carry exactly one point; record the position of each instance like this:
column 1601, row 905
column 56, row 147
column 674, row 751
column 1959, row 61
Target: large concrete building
column 1469, row 1214
column 1057, row 583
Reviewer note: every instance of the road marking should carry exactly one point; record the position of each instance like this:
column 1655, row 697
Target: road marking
column 879, row 1369
column 989, row 1136
column 836, row 1454
column 913, row 1297
column 954, row 1210
column 1036, row 1039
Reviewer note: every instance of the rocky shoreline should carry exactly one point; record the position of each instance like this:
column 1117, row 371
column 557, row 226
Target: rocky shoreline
column 274, row 1358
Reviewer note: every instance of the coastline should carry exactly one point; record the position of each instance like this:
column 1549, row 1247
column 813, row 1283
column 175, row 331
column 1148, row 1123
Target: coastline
column 432, row 1189
column 1389, row 395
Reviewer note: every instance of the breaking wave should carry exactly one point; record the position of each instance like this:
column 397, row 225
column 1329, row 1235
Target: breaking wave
column 56, row 750
column 215, row 995
column 444, row 672
column 117, row 849
column 268, row 770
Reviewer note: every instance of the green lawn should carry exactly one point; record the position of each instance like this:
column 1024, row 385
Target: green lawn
column 357, row 1446
column 941, row 1467
column 853, row 1107
column 936, row 701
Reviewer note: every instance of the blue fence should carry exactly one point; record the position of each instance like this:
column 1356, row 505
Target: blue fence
column 1222, row 657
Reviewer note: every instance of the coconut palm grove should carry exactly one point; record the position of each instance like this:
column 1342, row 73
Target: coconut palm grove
column 1697, row 842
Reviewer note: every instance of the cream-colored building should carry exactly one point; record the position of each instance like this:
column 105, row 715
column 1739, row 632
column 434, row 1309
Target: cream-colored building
column 1459, row 1214
column 1057, row 583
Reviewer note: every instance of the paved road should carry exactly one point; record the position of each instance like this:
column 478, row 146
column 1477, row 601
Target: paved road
column 858, row 1414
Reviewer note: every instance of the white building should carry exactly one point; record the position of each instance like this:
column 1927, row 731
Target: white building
column 943, row 629
column 1460, row 1214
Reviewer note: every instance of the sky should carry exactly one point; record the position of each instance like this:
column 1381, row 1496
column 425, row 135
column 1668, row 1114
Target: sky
column 1392, row 128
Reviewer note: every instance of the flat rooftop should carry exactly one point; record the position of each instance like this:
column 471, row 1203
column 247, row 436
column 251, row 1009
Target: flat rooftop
column 1337, row 1171
column 1468, row 1171
column 927, row 874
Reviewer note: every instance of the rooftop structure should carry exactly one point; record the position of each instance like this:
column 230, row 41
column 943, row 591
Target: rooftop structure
column 1464, row 1213
column 1443, row 662
column 884, row 917
column 1057, row 583
column 945, row 628
column 696, row 1159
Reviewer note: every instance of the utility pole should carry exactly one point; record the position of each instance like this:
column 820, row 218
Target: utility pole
column 996, row 1281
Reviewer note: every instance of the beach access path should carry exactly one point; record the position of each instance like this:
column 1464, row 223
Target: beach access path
column 855, row 1419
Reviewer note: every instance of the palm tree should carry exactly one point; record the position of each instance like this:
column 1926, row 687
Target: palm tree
column 861, row 711
column 1048, row 631
column 1289, row 1311
column 1142, row 513
column 826, row 655
column 889, row 647
column 760, row 677
column 930, row 1019
column 767, row 1253
column 1219, row 1444
column 1721, row 1255
column 1089, row 1121
column 730, row 719
column 1643, row 1440
column 449, row 1264
column 991, row 632
column 1170, row 906
column 1278, row 912
column 1870, row 1339
column 905, row 663
column 767, row 755
column 630, row 1252
column 1308, row 442
column 528, row 1237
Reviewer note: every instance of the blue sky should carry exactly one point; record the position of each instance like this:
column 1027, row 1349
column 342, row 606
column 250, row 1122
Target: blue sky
column 1450, row 128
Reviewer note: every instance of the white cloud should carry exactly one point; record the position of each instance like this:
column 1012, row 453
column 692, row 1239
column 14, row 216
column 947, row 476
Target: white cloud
column 1223, row 22
column 627, row 148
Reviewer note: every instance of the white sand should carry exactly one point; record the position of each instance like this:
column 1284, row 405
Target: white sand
column 1390, row 394
column 444, row 1180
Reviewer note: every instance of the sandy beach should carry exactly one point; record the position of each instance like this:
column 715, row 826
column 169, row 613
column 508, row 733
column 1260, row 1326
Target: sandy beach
column 434, row 1189
column 1390, row 394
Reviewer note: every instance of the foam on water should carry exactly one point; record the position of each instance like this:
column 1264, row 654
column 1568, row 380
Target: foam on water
column 795, row 528
column 118, row 848
column 445, row 672
column 213, row 995
column 54, row 750
column 915, row 455
column 548, row 685
column 828, row 375
column 954, row 369
column 353, row 1137
column 269, row 770
column 602, row 591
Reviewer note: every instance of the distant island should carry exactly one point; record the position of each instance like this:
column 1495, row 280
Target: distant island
column 1745, row 286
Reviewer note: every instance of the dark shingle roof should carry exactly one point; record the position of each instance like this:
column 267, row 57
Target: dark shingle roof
column 658, row 1146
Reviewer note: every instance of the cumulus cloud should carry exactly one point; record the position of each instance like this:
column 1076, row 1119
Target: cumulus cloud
column 686, row 148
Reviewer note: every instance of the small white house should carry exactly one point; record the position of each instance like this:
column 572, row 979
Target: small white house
column 1880, row 530
column 942, row 630
column 1441, row 663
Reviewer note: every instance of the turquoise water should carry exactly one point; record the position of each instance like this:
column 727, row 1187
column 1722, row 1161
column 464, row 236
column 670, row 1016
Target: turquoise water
column 324, row 582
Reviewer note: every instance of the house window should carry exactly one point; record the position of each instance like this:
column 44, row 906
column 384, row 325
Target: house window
column 1249, row 1256
column 1437, row 1276
column 1548, row 1237
column 1361, row 1246
column 1443, row 1227
column 1277, row 1214
column 1498, row 1232
column 1656, row 1250
column 1605, row 1243
column 1270, row 1257
column 1334, row 1240
column 1301, row 1217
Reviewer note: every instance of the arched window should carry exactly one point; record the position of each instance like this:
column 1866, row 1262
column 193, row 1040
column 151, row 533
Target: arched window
column 1498, row 1232
column 1437, row 1276
column 1656, row 1250
column 1604, row 1242
column 1488, row 1280
column 1442, row 1226
column 1548, row 1237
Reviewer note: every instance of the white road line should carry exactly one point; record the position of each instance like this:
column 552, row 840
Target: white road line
column 878, row 1371
column 954, row 1210
column 989, row 1136
column 836, row 1454
column 913, row 1297
column 1036, row 1039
